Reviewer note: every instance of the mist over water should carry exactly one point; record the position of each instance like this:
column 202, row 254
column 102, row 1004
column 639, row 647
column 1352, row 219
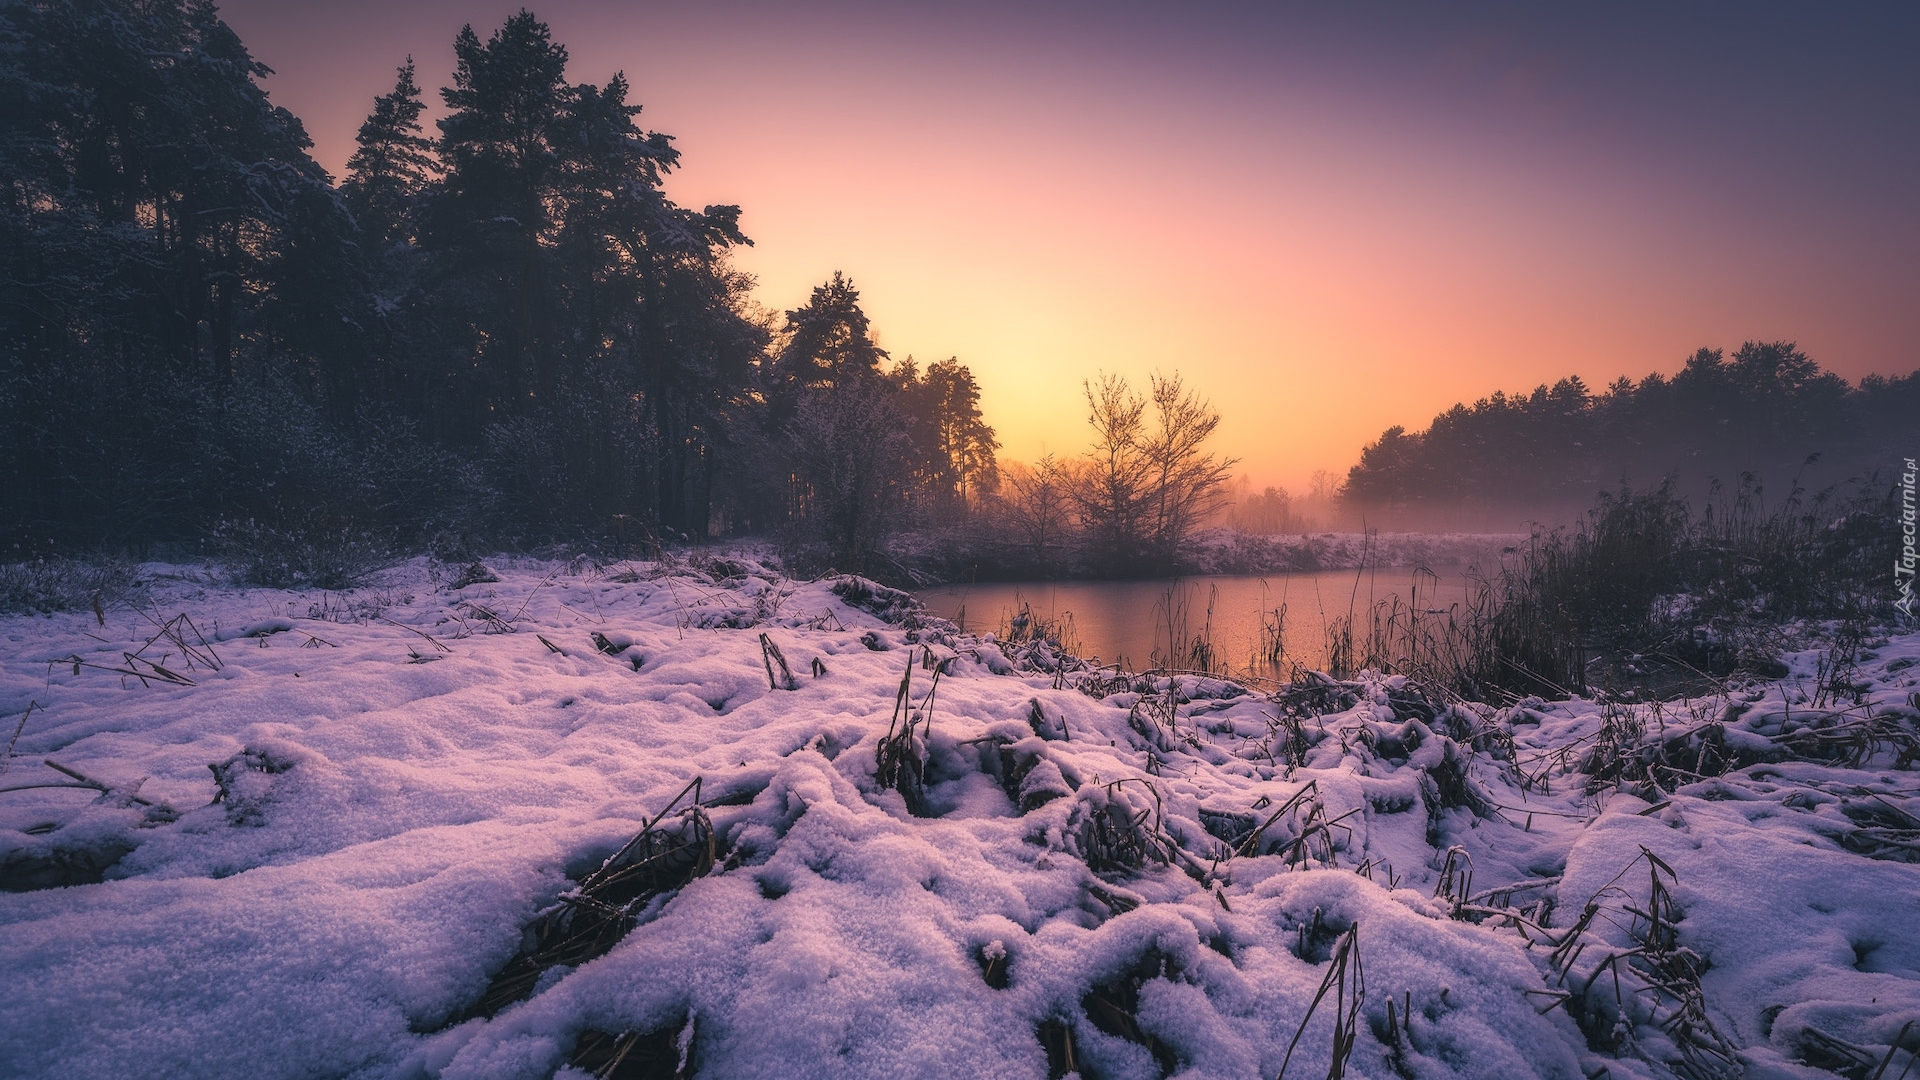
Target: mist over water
column 1132, row 622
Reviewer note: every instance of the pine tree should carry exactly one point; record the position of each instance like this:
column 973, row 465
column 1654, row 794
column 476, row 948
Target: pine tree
column 168, row 237
column 826, row 342
column 393, row 164
column 488, row 219
column 953, row 440
column 574, row 321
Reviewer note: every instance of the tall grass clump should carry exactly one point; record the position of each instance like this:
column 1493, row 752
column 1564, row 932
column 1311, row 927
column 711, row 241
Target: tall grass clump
column 1645, row 581
column 1179, row 645
column 1643, row 593
column 1443, row 647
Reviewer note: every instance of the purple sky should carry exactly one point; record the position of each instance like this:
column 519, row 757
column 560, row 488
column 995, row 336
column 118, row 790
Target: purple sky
column 1330, row 219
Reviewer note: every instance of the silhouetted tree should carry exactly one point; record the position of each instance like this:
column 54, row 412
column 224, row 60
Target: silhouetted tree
column 1148, row 480
column 1038, row 503
column 1111, row 497
column 165, row 237
column 1767, row 412
column 392, row 165
column 826, row 342
column 850, row 454
column 867, row 447
column 1187, row 484
column 954, row 447
column 1269, row 513
column 508, row 328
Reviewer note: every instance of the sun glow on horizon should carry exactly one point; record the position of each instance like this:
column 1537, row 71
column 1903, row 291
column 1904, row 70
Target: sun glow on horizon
column 1320, row 245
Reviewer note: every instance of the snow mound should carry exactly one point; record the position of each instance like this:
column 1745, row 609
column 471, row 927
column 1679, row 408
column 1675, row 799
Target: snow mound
column 668, row 820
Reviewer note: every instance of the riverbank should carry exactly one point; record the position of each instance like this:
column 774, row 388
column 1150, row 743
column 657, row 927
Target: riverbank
column 953, row 556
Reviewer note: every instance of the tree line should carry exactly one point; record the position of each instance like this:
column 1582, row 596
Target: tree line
column 503, row 329
column 1767, row 415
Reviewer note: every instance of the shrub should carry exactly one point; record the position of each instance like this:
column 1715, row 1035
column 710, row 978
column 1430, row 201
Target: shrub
column 323, row 554
column 63, row 584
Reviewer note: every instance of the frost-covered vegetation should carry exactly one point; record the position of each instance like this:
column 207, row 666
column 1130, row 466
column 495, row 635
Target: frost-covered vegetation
column 678, row 819
column 1642, row 594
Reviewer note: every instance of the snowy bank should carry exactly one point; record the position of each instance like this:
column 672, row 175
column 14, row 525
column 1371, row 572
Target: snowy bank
column 449, row 832
column 1229, row 551
column 953, row 555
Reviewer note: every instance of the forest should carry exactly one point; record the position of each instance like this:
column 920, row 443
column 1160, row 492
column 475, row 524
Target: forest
column 1765, row 417
column 501, row 331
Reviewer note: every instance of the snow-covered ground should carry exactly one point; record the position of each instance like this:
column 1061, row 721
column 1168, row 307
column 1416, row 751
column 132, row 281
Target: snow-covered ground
column 417, row 787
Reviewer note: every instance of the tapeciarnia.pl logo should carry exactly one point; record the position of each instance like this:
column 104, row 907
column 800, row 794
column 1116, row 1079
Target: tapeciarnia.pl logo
column 1903, row 567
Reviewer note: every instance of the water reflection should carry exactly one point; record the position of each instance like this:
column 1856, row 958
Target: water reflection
column 1139, row 623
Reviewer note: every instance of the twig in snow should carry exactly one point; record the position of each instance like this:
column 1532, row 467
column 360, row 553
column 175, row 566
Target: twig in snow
column 155, row 671
column 7, row 759
column 108, row 789
column 1891, row 1050
column 534, row 593
column 411, row 630
column 1252, row 843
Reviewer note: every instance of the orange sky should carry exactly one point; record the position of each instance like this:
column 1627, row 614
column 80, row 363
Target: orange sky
column 1327, row 227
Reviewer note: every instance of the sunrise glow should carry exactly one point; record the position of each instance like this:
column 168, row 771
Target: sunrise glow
column 1328, row 224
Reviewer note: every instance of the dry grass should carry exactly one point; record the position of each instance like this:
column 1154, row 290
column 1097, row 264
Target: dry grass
column 675, row 847
column 666, row 1054
column 900, row 760
column 1123, row 829
column 1113, row 1007
column 1346, row 980
column 1179, row 643
column 1655, row 980
column 772, row 658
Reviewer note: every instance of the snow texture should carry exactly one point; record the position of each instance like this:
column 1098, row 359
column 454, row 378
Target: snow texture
column 314, row 850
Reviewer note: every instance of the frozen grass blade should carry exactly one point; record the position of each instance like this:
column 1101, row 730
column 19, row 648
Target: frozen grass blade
column 1346, row 999
column 770, row 658
column 7, row 758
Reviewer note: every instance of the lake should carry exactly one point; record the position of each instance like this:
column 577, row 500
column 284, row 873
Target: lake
column 1128, row 621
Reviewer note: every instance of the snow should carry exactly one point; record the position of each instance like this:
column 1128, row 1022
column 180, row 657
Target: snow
column 408, row 776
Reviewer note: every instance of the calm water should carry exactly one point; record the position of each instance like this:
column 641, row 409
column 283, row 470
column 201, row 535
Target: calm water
column 1128, row 621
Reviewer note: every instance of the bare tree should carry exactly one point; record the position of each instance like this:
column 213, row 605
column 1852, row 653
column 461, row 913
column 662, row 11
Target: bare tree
column 1187, row 483
column 1039, row 506
column 1269, row 513
column 1111, row 494
column 1149, row 481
